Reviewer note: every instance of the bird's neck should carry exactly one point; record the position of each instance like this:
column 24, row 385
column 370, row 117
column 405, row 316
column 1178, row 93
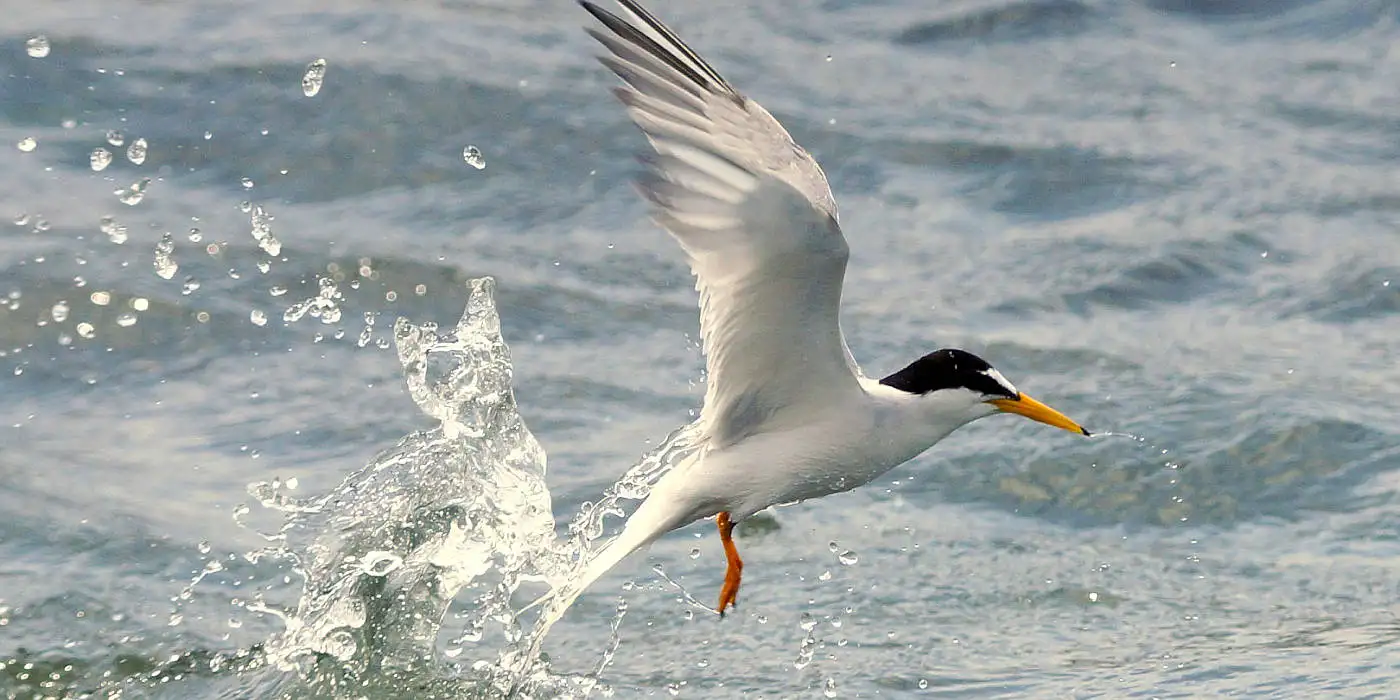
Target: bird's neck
column 906, row 424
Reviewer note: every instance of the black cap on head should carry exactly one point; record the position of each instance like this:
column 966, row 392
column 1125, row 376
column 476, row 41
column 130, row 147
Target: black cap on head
column 948, row 368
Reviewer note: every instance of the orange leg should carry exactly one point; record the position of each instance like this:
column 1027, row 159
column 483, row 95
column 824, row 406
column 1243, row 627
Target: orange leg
column 729, row 594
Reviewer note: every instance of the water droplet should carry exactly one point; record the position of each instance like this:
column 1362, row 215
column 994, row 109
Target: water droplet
column 923, row 684
column 695, row 553
column 264, row 266
column 825, row 576
column 365, row 336
column 27, row 144
column 37, row 47
column 262, row 231
column 133, row 195
column 829, row 688
column 22, row 220
column 115, row 231
column 195, row 236
column 296, row 311
column 277, row 290
column 204, row 547
column 164, row 261
column 116, row 138
column 847, row 558
column 247, row 183
column 101, row 298
column 258, row 317
column 176, row 619
column 59, row 312
column 472, row 155
column 136, row 152
column 235, row 623
column 99, row 159
column 86, row 330
column 807, row 622
column 126, row 320
column 314, row 76
column 190, row 286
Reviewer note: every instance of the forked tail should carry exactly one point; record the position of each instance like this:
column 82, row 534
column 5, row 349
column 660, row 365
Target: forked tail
column 656, row 516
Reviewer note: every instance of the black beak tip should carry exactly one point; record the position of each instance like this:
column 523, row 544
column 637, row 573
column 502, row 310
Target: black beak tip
column 1086, row 432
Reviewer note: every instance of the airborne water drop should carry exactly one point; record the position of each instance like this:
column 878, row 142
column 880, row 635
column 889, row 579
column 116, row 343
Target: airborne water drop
column 472, row 155
column 37, row 47
column 314, row 76
column 136, row 152
column 99, row 159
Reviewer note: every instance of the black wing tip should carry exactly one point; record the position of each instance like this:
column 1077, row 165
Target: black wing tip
column 593, row 9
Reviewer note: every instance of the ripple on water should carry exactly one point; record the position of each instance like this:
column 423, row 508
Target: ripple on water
column 1349, row 293
column 1256, row 467
column 1017, row 21
column 1137, row 278
column 1229, row 10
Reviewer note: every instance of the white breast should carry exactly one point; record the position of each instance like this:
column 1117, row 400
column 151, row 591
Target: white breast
column 834, row 450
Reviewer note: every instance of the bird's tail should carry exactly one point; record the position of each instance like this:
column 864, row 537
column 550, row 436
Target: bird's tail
column 655, row 517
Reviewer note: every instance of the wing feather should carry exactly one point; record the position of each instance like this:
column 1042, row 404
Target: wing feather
column 753, row 212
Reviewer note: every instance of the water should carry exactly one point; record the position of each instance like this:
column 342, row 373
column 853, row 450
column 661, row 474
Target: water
column 1170, row 219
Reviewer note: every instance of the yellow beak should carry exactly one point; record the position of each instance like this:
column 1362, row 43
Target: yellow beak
column 1037, row 411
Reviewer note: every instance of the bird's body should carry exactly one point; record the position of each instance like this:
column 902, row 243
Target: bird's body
column 788, row 415
column 827, row 449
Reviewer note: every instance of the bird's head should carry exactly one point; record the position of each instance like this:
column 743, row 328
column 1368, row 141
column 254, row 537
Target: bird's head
column 966, row 387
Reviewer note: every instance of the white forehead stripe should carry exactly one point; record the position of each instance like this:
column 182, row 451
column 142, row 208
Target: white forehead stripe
column 996, row 377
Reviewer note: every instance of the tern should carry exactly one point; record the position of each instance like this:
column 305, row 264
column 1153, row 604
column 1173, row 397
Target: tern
column 788, row 415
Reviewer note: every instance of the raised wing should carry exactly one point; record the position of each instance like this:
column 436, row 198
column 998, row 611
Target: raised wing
column 755, row 215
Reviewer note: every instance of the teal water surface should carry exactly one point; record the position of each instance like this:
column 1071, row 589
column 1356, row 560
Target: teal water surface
column 1172, row 219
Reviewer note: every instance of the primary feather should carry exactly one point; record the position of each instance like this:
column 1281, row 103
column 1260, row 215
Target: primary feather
column 754, row 214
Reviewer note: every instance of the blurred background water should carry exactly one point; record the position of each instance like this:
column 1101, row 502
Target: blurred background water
column 1169, row 218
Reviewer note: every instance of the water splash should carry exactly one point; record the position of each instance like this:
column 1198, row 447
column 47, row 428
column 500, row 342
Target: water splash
column 456, row 512
column 460, row 505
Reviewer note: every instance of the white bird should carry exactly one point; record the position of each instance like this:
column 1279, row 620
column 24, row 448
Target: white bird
column 788, row 415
